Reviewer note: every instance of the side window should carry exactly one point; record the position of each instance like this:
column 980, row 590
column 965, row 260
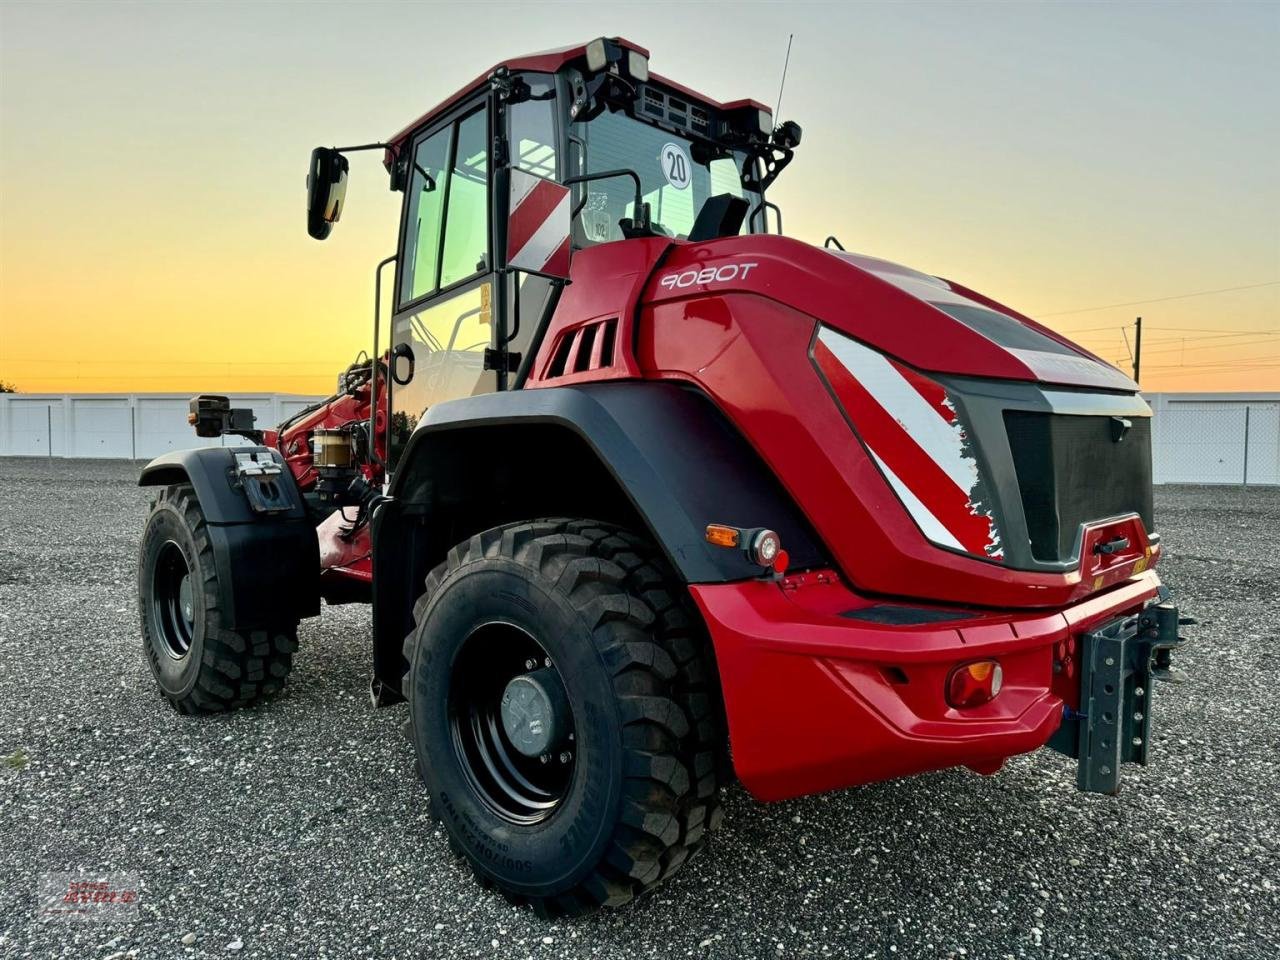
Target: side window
column 466, row 240
column 533, row 128
column 447, row 217
column 425, row 216
column 725, row 177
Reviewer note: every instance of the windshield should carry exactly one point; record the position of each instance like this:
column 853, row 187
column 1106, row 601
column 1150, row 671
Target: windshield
column 677, row 176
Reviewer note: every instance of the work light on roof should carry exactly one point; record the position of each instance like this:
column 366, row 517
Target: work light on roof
column 603, row 54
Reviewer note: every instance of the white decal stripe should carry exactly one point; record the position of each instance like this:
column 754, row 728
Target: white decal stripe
column 522, row 185
column 929, row 525
column 546, row 240
column 939, row 439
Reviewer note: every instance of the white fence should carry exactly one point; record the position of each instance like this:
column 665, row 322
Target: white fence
column 123, row 426
column 1197, row 437
column 1215, row 437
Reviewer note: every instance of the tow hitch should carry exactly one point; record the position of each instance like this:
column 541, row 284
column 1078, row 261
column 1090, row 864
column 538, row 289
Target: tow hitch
column 1119, row 661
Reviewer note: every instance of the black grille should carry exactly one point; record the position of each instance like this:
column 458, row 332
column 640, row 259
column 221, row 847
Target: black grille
column 1071, row 470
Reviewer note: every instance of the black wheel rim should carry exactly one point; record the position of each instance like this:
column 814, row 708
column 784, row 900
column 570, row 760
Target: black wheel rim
column 517, row 788
column 173, row 601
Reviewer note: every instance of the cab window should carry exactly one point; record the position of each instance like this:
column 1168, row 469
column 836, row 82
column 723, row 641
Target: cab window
column 533, row 127
column 447, row 209
column 677, row 176
column 466, row 238
column 425, row 216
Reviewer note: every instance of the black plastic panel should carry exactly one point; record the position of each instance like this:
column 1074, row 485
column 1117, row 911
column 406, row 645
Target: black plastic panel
column 899, row 616
column 268, row 563
column 1071, row 471
column 668, row 450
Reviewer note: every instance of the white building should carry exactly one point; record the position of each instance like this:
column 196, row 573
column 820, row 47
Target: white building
column 125, row 426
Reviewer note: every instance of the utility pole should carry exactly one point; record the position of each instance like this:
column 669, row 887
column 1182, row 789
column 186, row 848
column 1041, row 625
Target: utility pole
column 1137, row 351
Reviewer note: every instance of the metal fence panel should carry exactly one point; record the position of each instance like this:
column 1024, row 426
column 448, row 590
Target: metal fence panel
column 118, row 426
column 1216, row 438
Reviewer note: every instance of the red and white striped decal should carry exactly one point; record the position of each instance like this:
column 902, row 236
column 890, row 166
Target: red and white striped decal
column 910, row 426
column 538, row 225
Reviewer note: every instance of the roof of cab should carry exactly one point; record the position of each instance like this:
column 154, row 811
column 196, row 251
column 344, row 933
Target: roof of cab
column 549, row 61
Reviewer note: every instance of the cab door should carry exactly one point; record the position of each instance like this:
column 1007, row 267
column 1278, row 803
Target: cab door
column 443, row 321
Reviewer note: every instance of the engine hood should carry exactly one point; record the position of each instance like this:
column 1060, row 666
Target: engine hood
column 1050, row 357
column 930, row 323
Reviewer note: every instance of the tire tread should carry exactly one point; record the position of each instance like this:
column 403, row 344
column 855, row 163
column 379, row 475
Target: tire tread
column 654, row 645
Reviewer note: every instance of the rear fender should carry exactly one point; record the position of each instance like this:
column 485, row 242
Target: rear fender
column 267, row 563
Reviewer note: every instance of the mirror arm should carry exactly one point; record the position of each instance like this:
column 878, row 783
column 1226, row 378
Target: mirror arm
column 364, row 146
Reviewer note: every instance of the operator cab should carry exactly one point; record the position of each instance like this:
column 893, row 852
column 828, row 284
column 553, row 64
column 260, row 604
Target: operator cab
column 641, row 156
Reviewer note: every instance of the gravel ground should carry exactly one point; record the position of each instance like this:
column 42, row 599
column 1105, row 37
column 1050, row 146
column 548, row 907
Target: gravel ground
column 298, row 830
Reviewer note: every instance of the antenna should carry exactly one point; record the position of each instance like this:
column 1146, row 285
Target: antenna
column 777, row 111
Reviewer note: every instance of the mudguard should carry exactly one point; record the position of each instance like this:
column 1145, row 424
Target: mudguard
column 668, row 448
column 268, row 563
column 655, row 457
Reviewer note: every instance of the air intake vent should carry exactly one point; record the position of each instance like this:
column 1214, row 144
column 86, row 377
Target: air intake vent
column 584, row 348
column 653, row 102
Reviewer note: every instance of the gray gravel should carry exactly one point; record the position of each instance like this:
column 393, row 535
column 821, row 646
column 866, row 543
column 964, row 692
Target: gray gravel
column 298, row 830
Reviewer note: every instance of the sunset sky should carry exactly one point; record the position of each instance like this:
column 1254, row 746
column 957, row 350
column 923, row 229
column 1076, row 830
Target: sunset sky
column 1084, row 163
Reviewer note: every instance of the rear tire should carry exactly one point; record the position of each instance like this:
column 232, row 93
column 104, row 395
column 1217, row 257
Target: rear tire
column 200, row 666
column 596, row 607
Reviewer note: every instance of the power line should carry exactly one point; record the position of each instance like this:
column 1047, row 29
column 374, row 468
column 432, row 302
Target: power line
column 1250, row 362
column 1219, row 371
column 1176, row 342
column 1180, row 296
column 1208, row 330
column 1218, row 346
column 1076, row 333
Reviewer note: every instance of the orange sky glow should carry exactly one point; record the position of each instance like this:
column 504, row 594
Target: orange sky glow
column 1085, row 164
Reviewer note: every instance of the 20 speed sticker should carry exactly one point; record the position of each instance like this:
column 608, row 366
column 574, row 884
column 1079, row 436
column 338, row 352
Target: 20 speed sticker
column 676, row 165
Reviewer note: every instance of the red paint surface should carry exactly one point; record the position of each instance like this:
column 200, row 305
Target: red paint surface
column 817, row 702
column 812, row 704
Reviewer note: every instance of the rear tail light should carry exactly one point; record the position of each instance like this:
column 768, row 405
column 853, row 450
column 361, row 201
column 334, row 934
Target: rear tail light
column 973, row 684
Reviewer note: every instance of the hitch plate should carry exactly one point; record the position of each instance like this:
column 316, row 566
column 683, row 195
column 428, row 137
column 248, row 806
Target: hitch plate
column 1119, row 662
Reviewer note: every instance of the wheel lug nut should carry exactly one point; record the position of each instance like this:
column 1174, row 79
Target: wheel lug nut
column 546, row 662
column 530, row 664
column 545, row 758
column 566, row 757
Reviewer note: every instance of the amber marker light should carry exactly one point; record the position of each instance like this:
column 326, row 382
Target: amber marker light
column 719, row 535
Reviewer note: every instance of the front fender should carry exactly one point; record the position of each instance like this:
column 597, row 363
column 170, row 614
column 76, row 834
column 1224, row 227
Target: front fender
column 655, row 457
column 674, row 455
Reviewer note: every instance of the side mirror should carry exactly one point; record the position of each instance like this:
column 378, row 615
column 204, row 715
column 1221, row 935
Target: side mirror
column 326, row 190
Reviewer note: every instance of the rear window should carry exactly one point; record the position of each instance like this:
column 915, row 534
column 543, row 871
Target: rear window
column 1004, row 330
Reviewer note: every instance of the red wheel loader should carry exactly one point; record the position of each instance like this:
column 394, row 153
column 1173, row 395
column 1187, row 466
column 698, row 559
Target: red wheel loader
column 646, row 495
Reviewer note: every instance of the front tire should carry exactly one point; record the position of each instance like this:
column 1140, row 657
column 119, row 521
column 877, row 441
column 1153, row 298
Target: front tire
column 200, row 666
column 565, row 713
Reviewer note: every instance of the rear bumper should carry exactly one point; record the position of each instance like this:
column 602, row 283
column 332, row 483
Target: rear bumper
column 819, row 697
